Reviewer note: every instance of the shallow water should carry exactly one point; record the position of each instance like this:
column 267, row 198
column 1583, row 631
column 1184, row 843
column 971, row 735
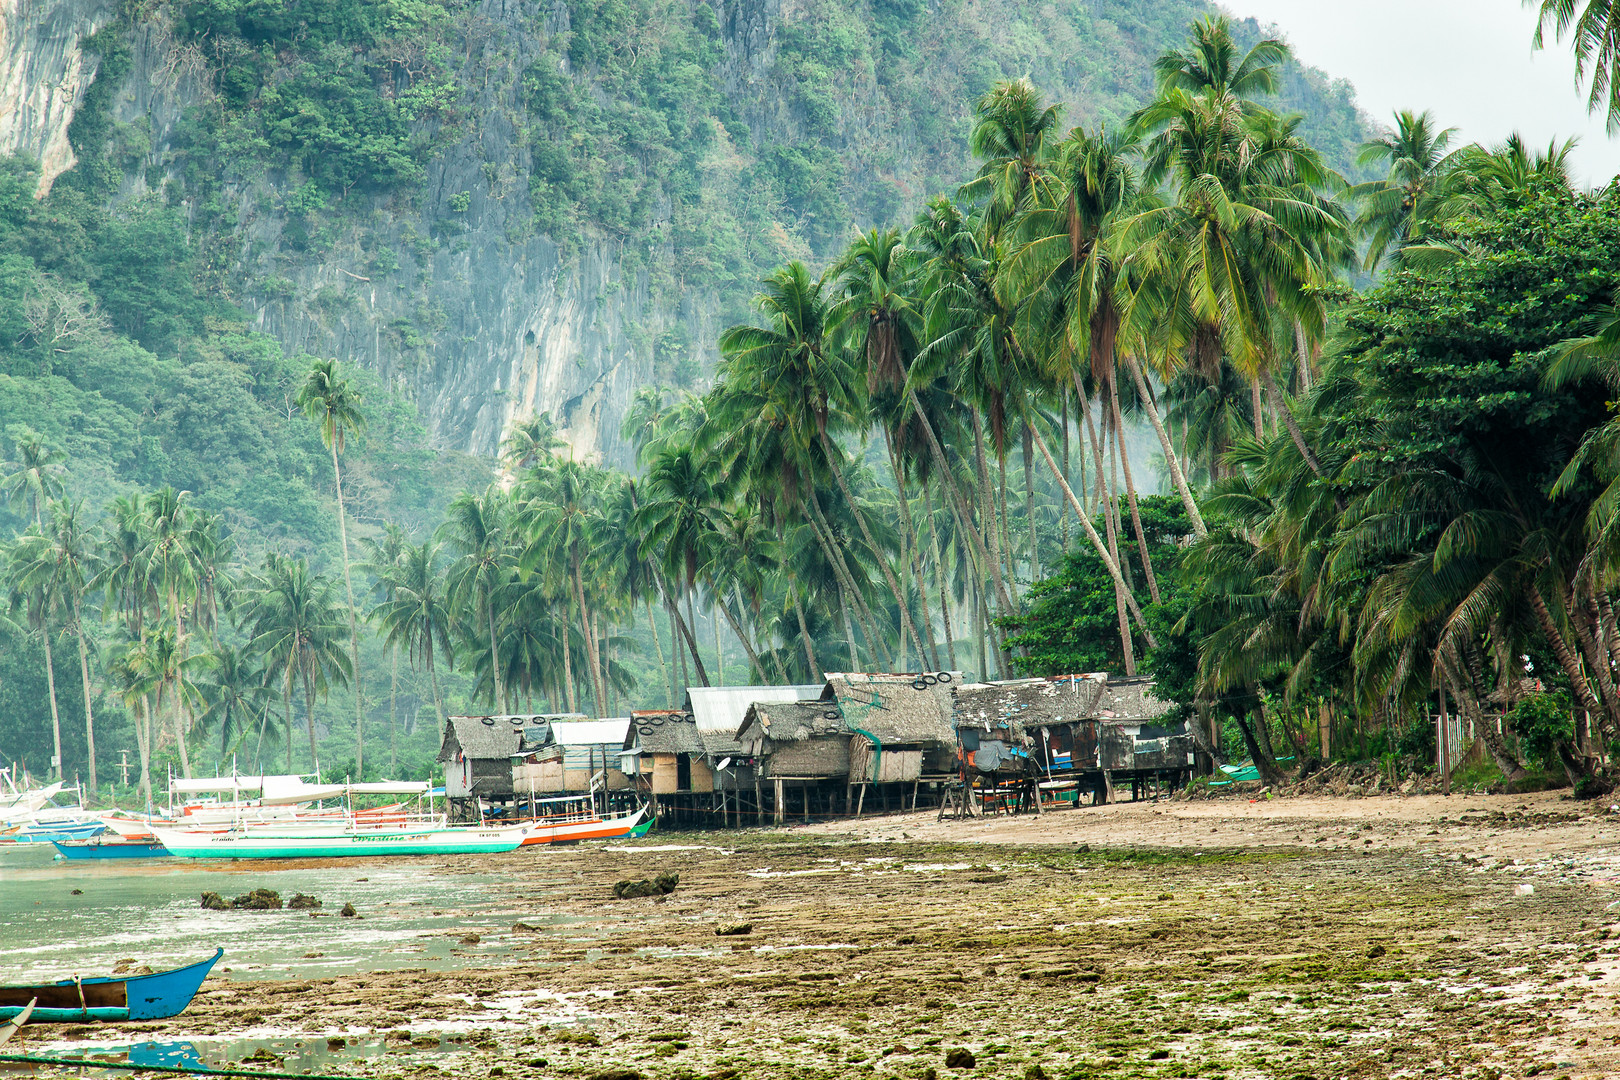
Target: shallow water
column 149, row 910
column 290, row 1054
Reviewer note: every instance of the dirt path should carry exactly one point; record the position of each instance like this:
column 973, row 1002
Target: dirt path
column 1470, row 938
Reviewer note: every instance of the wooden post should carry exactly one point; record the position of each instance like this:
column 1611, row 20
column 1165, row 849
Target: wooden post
column 759, row 800
column 1108, row 785
column 1325, row 729
column 915, row 784
column 781, row 797
column 1444, row 745
column 860, row 803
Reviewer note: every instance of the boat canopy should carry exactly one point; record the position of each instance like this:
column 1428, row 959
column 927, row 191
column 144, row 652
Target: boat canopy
column 390, row 787
column 208, row 785
column 278, row 794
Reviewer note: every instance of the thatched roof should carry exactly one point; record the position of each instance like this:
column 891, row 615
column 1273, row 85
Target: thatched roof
column 792, row 721
column 1024, row 704
column 482, row 737
column 1131, row 699
column 664, row 731
column 898, row 709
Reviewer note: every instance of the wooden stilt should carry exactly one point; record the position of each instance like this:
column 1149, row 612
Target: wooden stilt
column 861, row 803
column 781, row 799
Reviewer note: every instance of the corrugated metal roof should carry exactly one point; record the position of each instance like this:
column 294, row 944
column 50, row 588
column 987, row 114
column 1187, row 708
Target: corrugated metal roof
column 609, row 732
column 1131, row 699
column 721, row 708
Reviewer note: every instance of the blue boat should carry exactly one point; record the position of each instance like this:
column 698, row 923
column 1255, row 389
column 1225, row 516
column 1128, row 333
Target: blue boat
column 115, row 998
column 109, row 846
column 50, row 830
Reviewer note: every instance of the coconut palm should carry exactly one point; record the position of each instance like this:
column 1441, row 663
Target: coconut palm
column 1593, row 30
column 36, row 593
column 62, row 561
column 334, row 405
column 476, row 529
column 297, row 627
column 381, row 561
column 417, row 617
column 33, row 476
column 237, row 701
column 1400, row 208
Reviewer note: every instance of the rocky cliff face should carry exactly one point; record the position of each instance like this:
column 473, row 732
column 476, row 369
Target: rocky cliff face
column 452, row 297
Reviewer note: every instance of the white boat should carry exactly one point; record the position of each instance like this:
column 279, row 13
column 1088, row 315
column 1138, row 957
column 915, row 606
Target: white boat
column 19, row 806
column 352, row 839
column 568, row 822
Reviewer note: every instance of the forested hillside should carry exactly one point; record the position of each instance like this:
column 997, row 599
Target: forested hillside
column 483, row 211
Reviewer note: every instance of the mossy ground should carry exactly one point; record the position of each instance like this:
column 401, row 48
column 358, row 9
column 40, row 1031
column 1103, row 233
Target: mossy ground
column 875, row 959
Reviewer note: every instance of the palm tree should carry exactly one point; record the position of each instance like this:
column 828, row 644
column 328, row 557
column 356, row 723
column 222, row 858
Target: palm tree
column 167, row 527
column 130, row 667
column 559, row 519
column 808, row 386
column 333, row 404
column 62, row 560
column 1010, row 129
column 36, row 591
column 237, row 699
column 476, row 528
column 1398, row 209
column 296, row 626
column 382, row 561
column 417, row 617
column 679, row 506
column 1593, row 28
column 34, row 476
column 530, row 442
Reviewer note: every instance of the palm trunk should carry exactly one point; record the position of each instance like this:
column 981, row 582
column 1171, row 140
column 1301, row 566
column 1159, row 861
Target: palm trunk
column 50, row 686
column 84, row 676
column 143, row 745
column 438, row 697
column 1307, row 377
column 691, row 642
column 846, row 580
column 593, row 656
column 309, row 724
column 1257, row 407
column 849, row 634
column 568, row 660
column 753, row 657
column 912, row 544
column 658, row 645
column 804, row 630
column 1109, row 505
column 354, row 626
column 1566, row 659
column 287, row 698
column 1170, row 456
column 948, row 482
column 393, row 710
column 988, row 522
column 498, row 685
column 1130, row 495
column 906, row 629
column 1294, row 431
column 1096, row 542
column 1029, row 505
column 939, row 579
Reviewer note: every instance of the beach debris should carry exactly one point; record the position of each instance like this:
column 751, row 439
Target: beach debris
column 735, row 929
column 212, row 901
column 302, row 902
column 470, row 939
column 524, row 928
column 960, row 1057
column 348, row 912
column 1524, row 890
column 662, row 885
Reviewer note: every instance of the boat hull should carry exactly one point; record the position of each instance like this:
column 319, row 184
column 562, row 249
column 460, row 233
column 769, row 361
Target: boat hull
column 121, row 849
column 359, row 843
column 596, row 829
column 117, row 998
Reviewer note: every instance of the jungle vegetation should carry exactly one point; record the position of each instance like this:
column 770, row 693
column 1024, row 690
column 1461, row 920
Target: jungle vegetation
column 918, row 458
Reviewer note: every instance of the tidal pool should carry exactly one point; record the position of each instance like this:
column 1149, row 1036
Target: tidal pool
column 61, row 918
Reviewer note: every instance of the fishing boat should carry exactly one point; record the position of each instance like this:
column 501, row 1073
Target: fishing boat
column 114, row 997
column 18, row 805
column 353, row 839
column 108, row 846
column 572, row 820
